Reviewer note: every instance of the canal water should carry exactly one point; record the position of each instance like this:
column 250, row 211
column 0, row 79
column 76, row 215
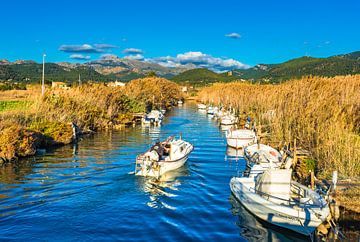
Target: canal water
column 89, row 191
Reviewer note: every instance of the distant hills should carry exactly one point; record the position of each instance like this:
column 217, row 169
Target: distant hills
column 115, row 68
column 303, row 66
column 335, row 65
column 201, row 76
column 29, row 71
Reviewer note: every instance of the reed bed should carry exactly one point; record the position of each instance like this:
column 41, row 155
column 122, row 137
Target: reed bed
column 46, row 120
column 322, row 114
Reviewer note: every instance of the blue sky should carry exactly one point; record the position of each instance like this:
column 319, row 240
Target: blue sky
column 240, row 33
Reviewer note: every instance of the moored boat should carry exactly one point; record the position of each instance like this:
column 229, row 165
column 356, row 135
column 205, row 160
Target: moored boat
column 154, row 117
column 210, row 110
column 228, row 119
column 162, row 157
column 240, row 138
column 201, row 106
column 273, row 197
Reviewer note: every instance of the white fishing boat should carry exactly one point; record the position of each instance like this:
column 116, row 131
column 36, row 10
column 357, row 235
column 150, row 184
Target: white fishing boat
column 162, row 157
column 154, row 117
column 201, row 106
column 276, row 199
column 210, row 110
column 240, row 138
column 261, row 157
column 215, row 111
column 228, row 119
column 260, row 153
column 180, row 102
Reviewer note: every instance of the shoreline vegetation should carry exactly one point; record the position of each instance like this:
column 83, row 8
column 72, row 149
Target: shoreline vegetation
column 322, row 114
column 38, row 122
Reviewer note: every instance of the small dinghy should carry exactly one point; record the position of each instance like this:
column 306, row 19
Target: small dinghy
column 273, row 197
column 240, row 138
column 162, row 157
column 228, row 119
column 180, row 102
column 154, row 117
column 201, row 106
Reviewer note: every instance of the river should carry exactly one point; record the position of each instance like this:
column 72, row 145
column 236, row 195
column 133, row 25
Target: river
column 89, row 191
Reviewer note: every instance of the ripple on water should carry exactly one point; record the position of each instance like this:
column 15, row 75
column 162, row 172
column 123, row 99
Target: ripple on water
column 88, row 191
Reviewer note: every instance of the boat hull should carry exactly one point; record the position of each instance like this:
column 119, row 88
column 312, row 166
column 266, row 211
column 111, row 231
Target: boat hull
column 164, row 166
column 240, row 138
column 303, row 222
column 239, row 143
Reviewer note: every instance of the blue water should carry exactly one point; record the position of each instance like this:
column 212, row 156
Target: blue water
column 89, row 192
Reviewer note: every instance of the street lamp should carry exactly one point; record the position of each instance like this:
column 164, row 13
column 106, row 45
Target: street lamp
column 43, row 77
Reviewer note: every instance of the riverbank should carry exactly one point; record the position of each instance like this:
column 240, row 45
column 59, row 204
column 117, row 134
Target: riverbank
column 321, row 114
column 55, row 118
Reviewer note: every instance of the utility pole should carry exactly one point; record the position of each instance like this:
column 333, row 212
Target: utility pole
column 79, row 80
column 43, row 77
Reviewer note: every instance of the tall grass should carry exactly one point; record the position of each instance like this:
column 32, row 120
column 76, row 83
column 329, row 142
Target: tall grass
column 46, row 121
column 322, row 114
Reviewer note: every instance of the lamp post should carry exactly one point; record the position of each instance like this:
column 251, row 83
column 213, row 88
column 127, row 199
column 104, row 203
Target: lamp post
column 43, row 77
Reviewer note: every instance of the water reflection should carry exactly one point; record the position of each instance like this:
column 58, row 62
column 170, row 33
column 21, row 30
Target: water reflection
column 235, row 153
column 253, row 229
column 164, row 187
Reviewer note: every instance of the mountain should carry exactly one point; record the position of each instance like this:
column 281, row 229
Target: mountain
column 118, row 66
column 202, row 76
column 29, row 71
column 303, row 66
column 353, row 55
column 115, row 68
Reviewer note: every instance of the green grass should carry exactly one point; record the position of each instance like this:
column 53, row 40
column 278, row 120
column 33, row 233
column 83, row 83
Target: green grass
column 13, row 105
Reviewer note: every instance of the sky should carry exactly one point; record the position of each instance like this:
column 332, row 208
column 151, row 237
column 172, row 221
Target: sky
column 219, row 35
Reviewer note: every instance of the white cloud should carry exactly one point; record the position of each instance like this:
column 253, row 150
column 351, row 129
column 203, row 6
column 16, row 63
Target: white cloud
column 233, row 35
column 86, row 48
column 199, row 60
column 105, row 46
column 134, row 57
column 80, row 57
column 132, row 51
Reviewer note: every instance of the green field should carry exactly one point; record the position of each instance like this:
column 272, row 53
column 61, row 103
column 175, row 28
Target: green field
column 13, row 105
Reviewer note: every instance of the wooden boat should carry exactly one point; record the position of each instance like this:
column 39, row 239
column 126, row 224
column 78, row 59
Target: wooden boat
column 274, row 198
column 162, row 157
column 240, row 138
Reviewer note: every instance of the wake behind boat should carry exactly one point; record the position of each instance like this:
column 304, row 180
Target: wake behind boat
column 162, row 157
column 273, row 197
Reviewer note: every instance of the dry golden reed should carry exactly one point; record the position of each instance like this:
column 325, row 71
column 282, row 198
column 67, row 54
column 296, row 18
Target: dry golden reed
column 322, row 114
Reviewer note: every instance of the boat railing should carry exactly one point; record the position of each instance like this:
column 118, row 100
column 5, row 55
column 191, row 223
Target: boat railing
column 290, row 202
